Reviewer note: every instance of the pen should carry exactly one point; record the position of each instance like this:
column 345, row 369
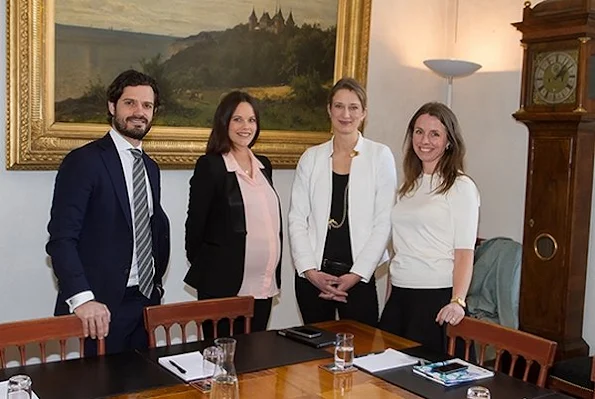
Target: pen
column 176, row 365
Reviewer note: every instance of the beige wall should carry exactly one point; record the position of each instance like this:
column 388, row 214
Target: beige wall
column 404, row 33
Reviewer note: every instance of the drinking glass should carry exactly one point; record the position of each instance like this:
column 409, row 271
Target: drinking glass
column 19, row 387
column 344, row 351
column 478, row 392
column 211, row 357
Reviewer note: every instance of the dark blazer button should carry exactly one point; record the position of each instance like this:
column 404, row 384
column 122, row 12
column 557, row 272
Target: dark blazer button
column 126, row 271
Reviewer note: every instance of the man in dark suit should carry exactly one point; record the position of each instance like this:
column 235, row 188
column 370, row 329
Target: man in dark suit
column 109, row 236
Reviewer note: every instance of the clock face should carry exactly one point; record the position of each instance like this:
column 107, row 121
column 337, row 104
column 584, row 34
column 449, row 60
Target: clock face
column 555, row 77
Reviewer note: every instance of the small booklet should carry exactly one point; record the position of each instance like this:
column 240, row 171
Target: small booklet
column 471, row 373
column 387, row 359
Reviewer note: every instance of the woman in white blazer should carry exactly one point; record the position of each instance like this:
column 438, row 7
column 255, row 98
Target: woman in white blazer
column 339, row 216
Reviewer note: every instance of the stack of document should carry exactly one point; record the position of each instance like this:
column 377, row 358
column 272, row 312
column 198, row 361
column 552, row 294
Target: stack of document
column 471, row 373
column 4, row 389
column 187, row 366
column 388, row 359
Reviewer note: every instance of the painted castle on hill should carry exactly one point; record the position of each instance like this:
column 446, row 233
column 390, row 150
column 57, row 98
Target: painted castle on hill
column 276, row 24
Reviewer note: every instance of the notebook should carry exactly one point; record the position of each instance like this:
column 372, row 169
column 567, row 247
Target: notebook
column 326, row 338
column 387, row 359
column 187, row 366
column 471, row 373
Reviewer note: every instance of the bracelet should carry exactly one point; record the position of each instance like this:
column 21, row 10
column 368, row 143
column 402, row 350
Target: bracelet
column 459, row 301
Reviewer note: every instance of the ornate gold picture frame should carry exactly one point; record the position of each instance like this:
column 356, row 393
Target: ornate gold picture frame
column 36, row 141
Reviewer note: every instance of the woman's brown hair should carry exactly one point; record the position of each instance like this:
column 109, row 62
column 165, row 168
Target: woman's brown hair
column 450, row 165
column 219, row 141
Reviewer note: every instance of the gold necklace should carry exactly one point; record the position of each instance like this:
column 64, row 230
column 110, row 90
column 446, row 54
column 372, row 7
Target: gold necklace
column 332, row 223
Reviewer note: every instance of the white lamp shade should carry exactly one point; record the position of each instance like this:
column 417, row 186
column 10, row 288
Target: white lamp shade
column 452, row 68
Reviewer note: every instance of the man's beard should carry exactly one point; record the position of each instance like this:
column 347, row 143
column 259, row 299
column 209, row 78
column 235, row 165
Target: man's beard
column 134, row 133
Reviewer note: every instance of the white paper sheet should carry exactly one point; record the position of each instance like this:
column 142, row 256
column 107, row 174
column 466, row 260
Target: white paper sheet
column 191, row 362
column 4, row 389
column 389, row 359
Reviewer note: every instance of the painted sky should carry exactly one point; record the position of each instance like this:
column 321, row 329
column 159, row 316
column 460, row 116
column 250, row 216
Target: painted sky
column 186, row 17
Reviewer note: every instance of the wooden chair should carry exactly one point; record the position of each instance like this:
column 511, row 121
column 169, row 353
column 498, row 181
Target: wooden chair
column 573, row 376
column 183, row 313
column 21, row 333
column 503, row 339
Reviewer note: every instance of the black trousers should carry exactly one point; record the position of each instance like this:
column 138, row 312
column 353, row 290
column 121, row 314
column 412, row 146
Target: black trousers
column 262, row 313
column 411, row 313
column 127, row 326
column 362, row 303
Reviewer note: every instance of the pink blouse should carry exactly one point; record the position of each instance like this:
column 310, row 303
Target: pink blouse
column 263, row 246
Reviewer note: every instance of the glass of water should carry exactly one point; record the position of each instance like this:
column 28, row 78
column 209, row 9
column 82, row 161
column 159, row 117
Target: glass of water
column 19, row 387
column 344, row 351
column 478, row 392
column 211, row 357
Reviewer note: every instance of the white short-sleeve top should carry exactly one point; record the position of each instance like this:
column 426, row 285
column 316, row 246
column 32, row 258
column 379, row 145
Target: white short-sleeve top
column 426, row 229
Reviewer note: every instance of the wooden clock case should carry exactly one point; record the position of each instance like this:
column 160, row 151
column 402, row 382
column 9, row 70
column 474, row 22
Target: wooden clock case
column 559, row 175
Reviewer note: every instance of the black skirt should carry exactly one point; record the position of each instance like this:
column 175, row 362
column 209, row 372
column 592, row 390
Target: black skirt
column 411, row 313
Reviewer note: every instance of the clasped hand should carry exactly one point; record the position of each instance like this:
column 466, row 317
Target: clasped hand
column 331, row 287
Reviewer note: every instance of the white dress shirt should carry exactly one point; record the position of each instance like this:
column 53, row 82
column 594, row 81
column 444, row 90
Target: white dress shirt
column 372, row 187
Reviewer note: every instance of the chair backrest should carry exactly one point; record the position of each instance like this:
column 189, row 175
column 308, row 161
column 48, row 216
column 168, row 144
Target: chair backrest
column 503, row 339
column 41, row 331
column 183, row 313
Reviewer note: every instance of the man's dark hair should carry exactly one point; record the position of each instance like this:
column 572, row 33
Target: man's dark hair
column 130, row 78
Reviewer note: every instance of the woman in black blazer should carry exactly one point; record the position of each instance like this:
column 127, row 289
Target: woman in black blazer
column 233, row 228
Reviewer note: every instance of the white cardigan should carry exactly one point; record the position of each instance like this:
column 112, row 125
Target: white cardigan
column 372, row 187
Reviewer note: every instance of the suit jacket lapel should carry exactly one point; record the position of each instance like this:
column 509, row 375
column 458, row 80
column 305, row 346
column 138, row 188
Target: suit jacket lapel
column 114, row 167
column 235, row 202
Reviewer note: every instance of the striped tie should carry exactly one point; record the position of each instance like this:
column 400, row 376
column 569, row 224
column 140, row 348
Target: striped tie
column 142, row 227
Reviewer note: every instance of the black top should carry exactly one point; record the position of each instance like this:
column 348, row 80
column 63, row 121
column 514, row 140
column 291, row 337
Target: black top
column 338, row 242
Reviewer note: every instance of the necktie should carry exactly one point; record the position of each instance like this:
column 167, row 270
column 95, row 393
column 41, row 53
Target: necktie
column 142, row 226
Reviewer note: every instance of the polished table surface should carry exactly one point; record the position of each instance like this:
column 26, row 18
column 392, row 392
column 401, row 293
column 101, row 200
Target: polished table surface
column 138, row 375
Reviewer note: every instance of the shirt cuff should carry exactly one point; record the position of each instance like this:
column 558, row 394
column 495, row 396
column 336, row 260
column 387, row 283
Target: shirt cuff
column 363, row 278
column 78, row 299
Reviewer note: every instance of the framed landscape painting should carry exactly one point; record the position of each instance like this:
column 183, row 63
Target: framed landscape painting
column 62, row 54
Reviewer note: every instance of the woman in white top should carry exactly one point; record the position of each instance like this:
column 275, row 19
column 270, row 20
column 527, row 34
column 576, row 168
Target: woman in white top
column 434, row 229
column 339, row 216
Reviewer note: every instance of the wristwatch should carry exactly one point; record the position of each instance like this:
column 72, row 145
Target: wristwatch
column 460, row 301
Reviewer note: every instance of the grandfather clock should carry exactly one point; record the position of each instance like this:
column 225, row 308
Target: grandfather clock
column 558, row 108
